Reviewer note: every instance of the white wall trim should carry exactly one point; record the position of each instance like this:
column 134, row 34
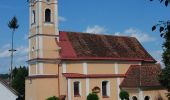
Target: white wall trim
column 108, row 88
column 29, row 69
column 41, row 69
column 30, row 19
column 37, row 47
column 141, row 94
column 64, row 66
column 80, row 88
column 69, row 89
column 41, row 46
column 118, row 79
column 40, row 30
column 87, row 86
column 29, row 49
column 36, row 69
column 85, row 68
column 56, row 16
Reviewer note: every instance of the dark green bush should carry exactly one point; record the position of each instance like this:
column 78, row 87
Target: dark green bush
column 124, row 95
column 53, row 98
column 92, row 96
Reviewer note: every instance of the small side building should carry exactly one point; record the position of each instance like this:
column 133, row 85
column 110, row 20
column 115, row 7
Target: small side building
column 7, row 92
column 142, row 83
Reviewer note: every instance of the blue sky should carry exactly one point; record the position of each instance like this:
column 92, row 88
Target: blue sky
column 116, row 17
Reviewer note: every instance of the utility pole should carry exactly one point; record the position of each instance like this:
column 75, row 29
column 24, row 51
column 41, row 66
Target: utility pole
column 13, row 25
column 12, row 50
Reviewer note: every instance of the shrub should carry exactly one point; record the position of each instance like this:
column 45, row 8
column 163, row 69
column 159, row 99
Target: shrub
column 92, row 96
column 53, row 98
column 124, row 95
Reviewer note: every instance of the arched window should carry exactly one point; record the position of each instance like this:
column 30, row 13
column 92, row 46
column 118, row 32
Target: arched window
column 134, row 98
column 77, row 88
column 47, row 15
column 147, row 98
column 33, row 16
column 105, row 88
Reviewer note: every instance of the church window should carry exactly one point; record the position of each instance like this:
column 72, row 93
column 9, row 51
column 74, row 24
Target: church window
column 147, row 98
column 76, row 88
column 105, row 89
column 47, row 15
column 33, row 16
column 134, row 98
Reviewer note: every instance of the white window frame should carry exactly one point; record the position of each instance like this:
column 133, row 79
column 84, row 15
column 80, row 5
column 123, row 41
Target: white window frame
column 51, row 17
column 33, row 17
column 80, row 88
column 107, row 88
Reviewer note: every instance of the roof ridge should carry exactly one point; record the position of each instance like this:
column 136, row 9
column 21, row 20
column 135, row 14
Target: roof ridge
column 99, row 34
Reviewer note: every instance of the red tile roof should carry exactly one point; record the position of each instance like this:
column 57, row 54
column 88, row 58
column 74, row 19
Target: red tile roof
column 78, row 75
column 142, row 76
column 84, row 46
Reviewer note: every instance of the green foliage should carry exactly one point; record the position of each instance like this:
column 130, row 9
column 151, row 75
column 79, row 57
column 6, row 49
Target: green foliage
column 53, row 98
column 166, row 2
column 92, row 96
column 124, row 95
column 18, row 82
column 4, row 76
column 13, row 24
column 164, row 76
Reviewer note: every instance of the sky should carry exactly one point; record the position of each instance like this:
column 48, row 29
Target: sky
column 116, row 17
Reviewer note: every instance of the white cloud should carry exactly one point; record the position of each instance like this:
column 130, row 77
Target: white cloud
column 20, row 57
column 157, row 54
column 22, row 50
column 4, row 53
column 140, row 35
column 26, row 36
column 62, row 19
column 96, row 29
column 6, row 46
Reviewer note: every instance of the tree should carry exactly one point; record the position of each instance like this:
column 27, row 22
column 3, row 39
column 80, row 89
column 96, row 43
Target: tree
column 164, row 29
column 164, row 76
column 92, row 96
column 166, row 2
column 124, row 95
column 18, row 82
column 13, row 25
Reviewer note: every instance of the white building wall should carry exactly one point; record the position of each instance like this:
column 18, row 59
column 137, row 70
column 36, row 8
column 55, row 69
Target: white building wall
column 6, row 94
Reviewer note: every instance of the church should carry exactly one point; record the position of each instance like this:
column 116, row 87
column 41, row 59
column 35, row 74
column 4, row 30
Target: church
column 70, row 65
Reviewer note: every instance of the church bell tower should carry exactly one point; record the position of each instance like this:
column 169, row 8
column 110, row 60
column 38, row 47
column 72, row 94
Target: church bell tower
column 43, row 35
column 43, row 50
